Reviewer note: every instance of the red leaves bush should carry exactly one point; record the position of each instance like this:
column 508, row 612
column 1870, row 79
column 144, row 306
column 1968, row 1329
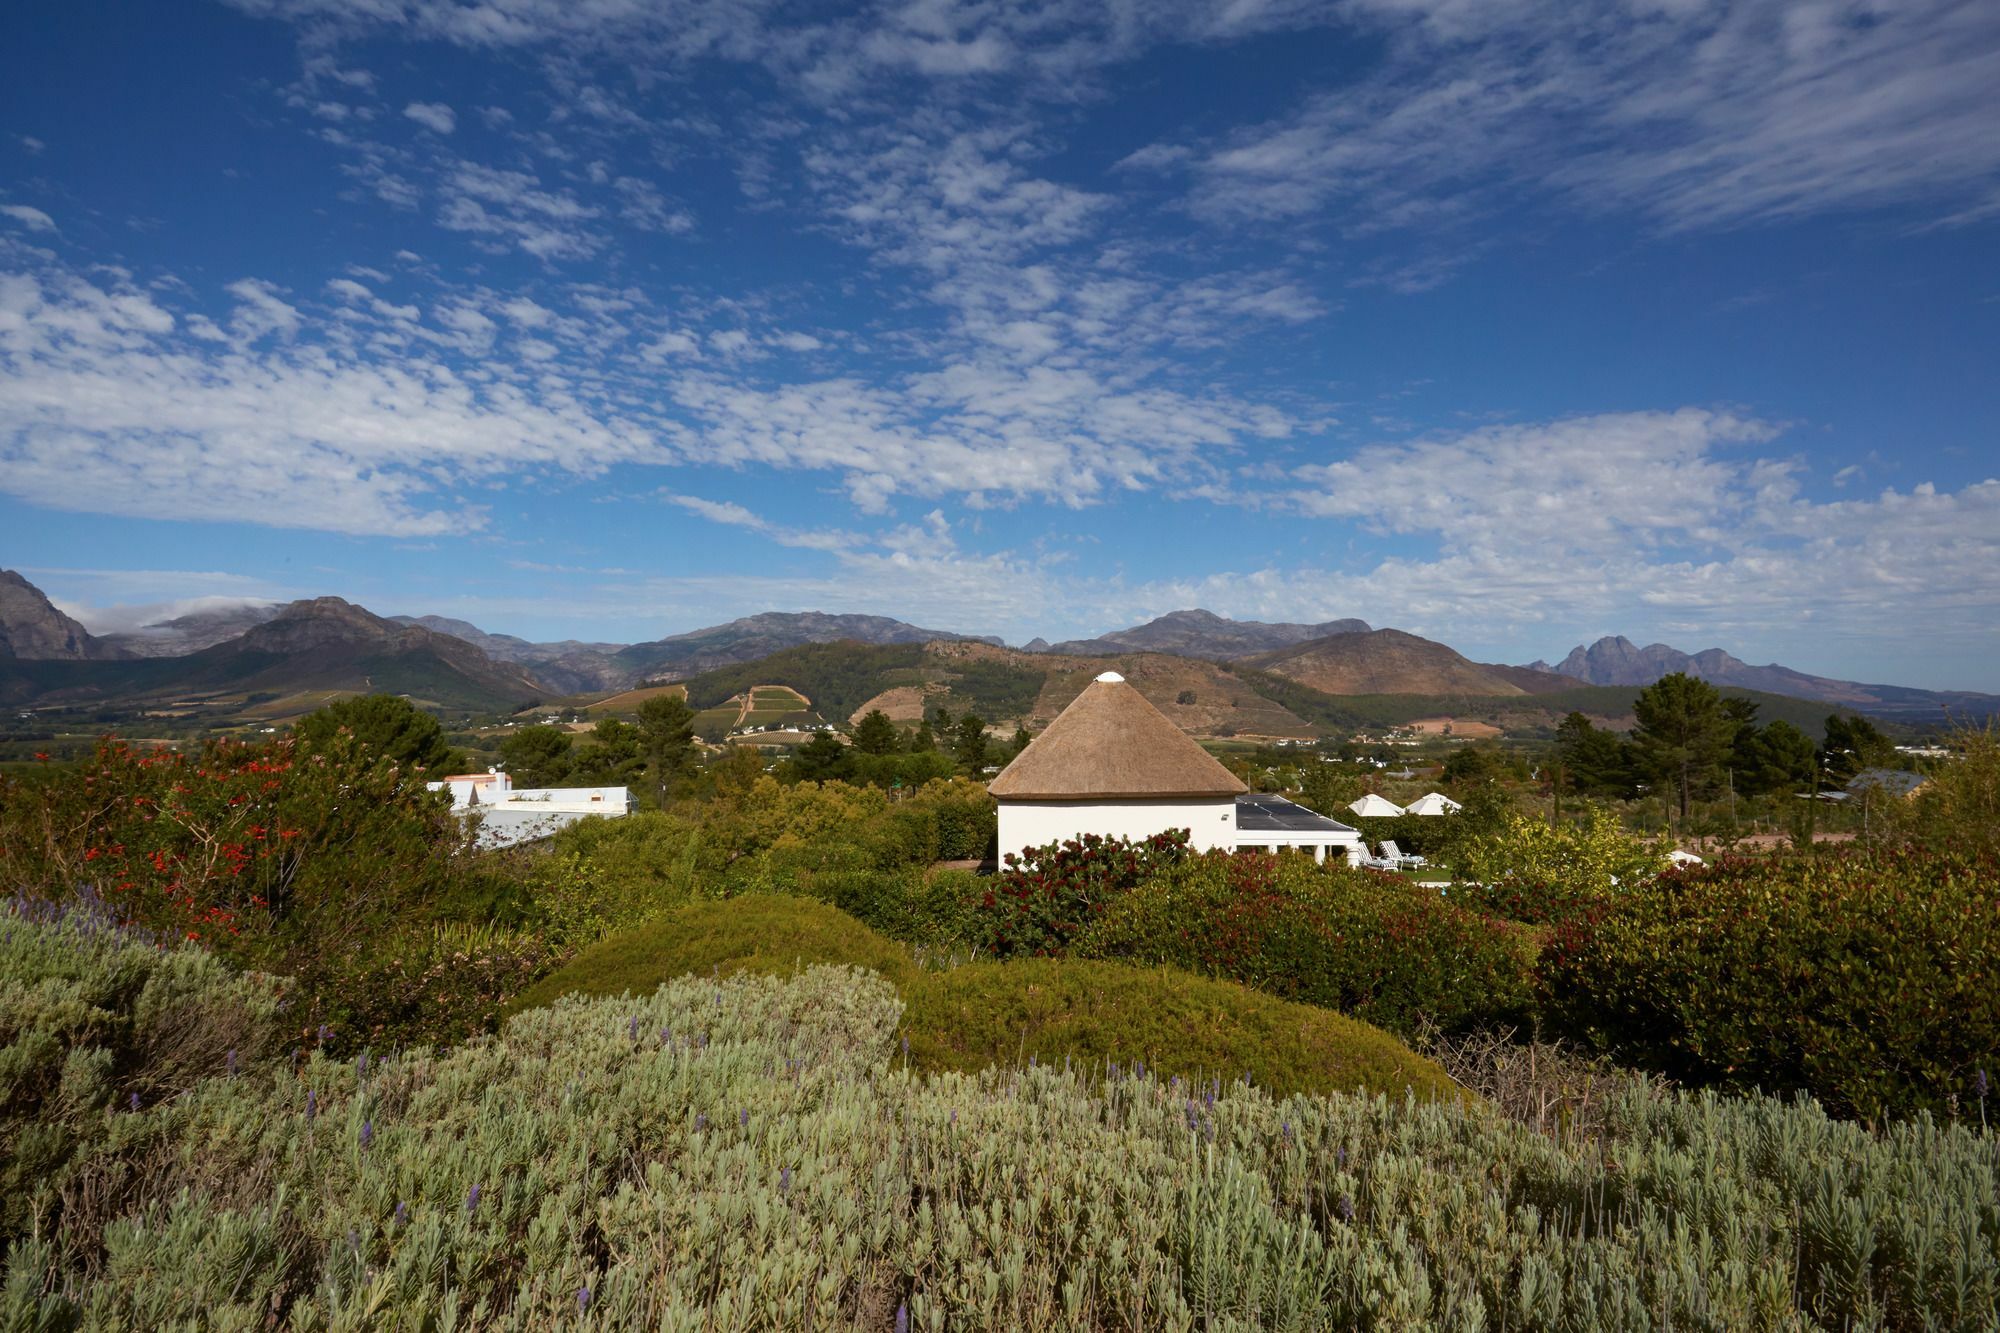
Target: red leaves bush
column 1373, row 946
column 1042, row 901
column 1869, row 978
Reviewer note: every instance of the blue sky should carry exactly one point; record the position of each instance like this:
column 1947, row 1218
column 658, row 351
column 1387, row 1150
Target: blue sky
column 1508, row 322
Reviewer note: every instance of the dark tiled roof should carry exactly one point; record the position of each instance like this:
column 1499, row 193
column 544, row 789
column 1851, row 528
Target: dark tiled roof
column 1894, row 781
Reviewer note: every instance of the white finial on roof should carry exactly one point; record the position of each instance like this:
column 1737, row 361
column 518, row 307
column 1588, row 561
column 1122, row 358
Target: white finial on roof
column 1111, row 678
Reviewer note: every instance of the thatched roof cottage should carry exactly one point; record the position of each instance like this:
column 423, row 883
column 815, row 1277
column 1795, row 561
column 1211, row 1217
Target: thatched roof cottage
column 1113, row 764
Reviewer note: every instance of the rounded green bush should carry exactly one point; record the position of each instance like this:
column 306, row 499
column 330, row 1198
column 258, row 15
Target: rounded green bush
column 771, row 933
column 1097, row 1014
column 980, row 1014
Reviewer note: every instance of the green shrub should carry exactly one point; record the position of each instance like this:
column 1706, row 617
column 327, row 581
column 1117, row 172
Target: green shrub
column 1108, row 1015
column 759, row 933
column 917, row 905
column 100, row 1023
column 1865, row 979
column 750, row 1153
column 969, row 1016
column 1045, row 897
column 1529, row 870
column 1373, row 946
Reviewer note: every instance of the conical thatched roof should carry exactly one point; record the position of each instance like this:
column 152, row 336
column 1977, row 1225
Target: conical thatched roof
column 1111, row 742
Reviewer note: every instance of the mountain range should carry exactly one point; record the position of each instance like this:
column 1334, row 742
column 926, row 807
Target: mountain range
column 1616, row 660
column 327, row 644
column 1203, row 634
column 1388, row 661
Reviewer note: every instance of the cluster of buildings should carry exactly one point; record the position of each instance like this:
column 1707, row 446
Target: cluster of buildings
column 509, row 815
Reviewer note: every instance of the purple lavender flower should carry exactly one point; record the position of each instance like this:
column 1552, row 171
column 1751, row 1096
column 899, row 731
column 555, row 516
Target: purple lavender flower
column 1345, row 1208
column 325, row 1034
column 402, row 1212
column 312, row 1105
column 229, row 1061
column 954, row 1117
column 666, row 1036
column 1979, row 1083
column 582, row 1299
column 367, row 1134
column 632, row 1030
column 743, row 1120
column 1286, row 1128
column 701, row 1121
column 784, row 1180
column 472, row 1200
column 361, row 1065
column 902, row 1318
column 135, row 1101
column 906, row 1048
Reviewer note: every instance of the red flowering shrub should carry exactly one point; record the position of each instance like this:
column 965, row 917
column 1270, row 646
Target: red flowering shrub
column 321, row 863
column 1043, row 900
column 1374, row 946
column 239, row 842
column 1869, row 978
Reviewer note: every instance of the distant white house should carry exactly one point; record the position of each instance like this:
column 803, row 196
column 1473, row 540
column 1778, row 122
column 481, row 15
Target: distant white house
column 1435, row 803
column 1113, row 765
column 1372, row 806
column 510, row 815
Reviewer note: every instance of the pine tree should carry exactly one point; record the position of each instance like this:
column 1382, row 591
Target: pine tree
column 1684, row 734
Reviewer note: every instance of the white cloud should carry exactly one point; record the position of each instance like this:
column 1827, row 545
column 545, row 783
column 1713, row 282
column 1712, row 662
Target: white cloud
column 29, row 142
column 1697, row 114
column 106, row 407
column 434, row 116
column 260, row 311
column 513, row 208
column 34, row 219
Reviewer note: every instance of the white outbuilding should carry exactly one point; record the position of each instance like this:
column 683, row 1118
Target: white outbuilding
column 1372, row 806
column 1436, row 803
column 1112, row 764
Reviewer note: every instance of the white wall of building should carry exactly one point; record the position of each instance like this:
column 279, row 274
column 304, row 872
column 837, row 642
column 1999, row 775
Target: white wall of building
column 1211, row 822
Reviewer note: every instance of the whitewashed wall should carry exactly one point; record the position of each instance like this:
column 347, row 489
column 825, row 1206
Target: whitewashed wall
column 1210, row 823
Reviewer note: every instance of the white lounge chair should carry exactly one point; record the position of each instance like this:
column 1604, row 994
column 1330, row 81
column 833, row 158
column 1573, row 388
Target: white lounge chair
column 1362, row 859
column 1400, row 858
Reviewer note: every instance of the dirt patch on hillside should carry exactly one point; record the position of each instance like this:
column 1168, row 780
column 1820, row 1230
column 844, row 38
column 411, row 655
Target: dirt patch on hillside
column 905, row 703
column 1456, row 726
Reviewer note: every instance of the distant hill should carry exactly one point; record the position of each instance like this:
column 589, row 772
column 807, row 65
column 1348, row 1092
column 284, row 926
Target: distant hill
column 1199, row 633
column 194, row 631
column 1616, row 660
column 1389, row 661
column 323, row 644
column 683, row 655
column 1003, row 685
column 32, row 628
column 569, row 665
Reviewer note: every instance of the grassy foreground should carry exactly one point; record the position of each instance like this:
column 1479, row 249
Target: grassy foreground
column 1093, row 1014
column 751, row 1153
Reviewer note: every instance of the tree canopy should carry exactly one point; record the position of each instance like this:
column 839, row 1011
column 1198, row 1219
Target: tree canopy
column 390, row 726
column 1683, row 736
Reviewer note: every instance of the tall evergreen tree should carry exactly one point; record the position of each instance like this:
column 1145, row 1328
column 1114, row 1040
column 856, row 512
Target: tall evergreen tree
column 822, row 759
column 666, row 736
column 537, row 756
column 971, row 745
column 1852, row 744
column 1683, row 736
column 1594, row 761
column 875, row 733
column 391, row 726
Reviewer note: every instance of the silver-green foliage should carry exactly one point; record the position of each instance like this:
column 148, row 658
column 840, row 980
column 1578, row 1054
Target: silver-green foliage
column 750, row 1153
